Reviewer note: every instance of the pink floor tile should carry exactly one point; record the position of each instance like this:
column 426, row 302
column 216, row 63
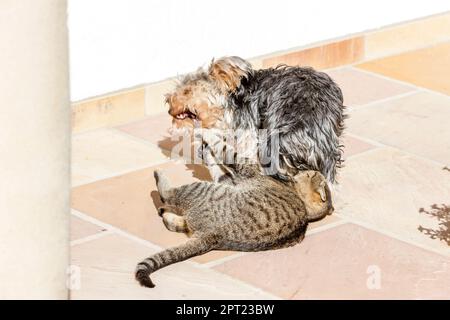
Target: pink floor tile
column 353, row 146
column 360, row 88
column 155, row 130
column 346, row 262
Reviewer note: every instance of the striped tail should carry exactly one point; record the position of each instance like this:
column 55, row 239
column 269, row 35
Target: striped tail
column 194, row 247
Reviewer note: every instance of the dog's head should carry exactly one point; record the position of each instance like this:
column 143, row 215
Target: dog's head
column 200, row 97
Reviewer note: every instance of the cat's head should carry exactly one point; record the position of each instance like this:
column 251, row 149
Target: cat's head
column 313, row 189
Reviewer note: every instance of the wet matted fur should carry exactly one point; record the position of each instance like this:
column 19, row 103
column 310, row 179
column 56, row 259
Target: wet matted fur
column 301, row 106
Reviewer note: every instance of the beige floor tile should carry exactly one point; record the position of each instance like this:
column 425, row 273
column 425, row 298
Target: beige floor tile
column 107, row 265
column 360, row 88
column 419, row 123
column 346, row 262
column 104, row 152
column 386, row 188
column 81, row 229
column 427, row 68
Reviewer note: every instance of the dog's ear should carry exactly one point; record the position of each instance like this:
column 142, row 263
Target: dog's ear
column 167, row 97
column 228, row 72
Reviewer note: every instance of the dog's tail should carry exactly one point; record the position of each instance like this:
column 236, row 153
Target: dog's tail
column 192, row 248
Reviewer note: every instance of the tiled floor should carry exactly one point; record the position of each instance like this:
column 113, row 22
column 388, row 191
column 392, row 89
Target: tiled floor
column 375, row 246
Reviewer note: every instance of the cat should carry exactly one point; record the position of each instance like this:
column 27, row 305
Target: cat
column 244, row 211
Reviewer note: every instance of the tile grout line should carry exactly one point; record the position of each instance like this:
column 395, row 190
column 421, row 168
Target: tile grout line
column 384, row 100
column 124, row 134
column 326, row 227
column 243, row 283
column 114, row 230
column 393, row 235
column 119, row 173
column 382, row 76
column 382, row 145
column 95, row 236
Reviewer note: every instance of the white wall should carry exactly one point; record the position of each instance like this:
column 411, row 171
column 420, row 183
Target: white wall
column 116, row 44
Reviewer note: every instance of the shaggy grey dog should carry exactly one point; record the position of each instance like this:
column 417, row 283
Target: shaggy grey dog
column 301, row 107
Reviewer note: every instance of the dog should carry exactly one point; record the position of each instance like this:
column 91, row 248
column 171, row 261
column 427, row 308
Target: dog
column 301, row 107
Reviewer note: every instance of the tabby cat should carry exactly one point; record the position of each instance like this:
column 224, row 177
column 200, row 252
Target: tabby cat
column 244, row 211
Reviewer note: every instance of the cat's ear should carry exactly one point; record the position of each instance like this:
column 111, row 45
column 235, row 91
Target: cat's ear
column 228, row 72
column 321, row 190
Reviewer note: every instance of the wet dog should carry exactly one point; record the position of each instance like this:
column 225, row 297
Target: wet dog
column 299, row 109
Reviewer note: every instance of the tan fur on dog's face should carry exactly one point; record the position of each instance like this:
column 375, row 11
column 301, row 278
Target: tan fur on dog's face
column 192, row 102
column 201, row 96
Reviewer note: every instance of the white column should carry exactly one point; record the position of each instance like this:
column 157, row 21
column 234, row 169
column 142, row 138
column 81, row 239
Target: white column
column 34, row 149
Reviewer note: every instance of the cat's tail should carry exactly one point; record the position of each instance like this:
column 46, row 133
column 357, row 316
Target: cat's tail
column 192, row 248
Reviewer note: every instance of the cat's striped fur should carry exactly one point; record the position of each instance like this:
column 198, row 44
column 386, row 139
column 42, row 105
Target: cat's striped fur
column 245, row 211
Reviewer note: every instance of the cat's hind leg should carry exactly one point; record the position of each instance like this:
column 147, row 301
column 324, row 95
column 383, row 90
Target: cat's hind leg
column 174, row 222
